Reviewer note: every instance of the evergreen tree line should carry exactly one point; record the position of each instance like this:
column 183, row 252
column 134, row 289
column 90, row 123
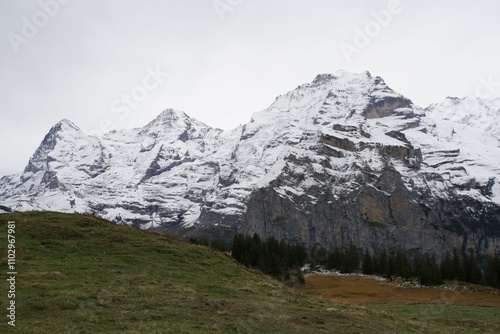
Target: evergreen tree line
column 220, row 245
column 391, row 264
column 467, row 268
column 270, row 256
column 277, row 258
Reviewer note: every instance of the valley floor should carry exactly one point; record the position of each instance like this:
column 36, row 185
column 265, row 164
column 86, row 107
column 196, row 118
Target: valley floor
column 459, row 308
column 359, row 290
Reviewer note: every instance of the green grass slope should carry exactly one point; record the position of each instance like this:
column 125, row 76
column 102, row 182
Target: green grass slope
column 81, row 274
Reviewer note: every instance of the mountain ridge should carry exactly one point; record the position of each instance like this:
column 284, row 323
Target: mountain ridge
column 343, row 159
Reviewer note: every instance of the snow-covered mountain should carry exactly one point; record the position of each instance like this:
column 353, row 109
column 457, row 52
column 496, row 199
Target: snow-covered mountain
column 471, row 111
column 343, row 159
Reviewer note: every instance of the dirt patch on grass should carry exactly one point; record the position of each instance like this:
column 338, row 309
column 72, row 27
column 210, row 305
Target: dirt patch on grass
column 361, row 290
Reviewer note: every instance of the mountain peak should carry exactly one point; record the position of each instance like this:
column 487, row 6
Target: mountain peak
column 320, row 78
column 175, row 124
column 171, row 117
column 171, row 114
column 59, row 128
column 65, row 124
column 328, row 77
column 341, row 95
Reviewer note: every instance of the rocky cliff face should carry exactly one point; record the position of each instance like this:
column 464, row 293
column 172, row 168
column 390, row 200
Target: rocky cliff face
column 385, row 216
column 338, row 161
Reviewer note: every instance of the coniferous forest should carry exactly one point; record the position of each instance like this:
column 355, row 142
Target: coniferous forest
column 278, row 259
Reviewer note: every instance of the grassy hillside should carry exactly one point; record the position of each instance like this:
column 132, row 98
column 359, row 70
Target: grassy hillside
column 80, row 274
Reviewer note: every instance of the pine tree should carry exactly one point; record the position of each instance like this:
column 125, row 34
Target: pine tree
column 284, row 253
column 456, row 267
column 238, row 244
column 402, row 267
column 472, row 270
column 274, row 265
column 382, row 264
column 300, row 276
column 349, row 260
column 367, row 266
column 435, row 272
column 446, row 267
column 427, row 270
column 392, row 265
column 319, row 255
column 492, row 271
column 253, row 251
column 301, row 255
column 334, row 260
column 353, row 258
column 264, row 262
column 256, row 239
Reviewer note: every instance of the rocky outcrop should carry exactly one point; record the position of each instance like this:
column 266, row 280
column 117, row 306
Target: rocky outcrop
column 410, row 156
column 342, row 143
column 407, row 154
column 378, row 108
column 5, row 209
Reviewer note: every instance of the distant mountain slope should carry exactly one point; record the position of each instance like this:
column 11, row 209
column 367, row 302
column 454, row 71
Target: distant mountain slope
column 343, row 159
column 473, row 112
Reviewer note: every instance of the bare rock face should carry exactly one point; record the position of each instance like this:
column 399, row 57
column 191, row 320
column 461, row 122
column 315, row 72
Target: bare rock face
column 341, row 160
column 384, row 216
column 378, row 108
column 342, row 143
column 408, row 155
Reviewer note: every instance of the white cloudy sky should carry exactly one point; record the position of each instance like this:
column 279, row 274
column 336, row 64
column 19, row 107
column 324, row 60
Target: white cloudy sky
column 222, row 65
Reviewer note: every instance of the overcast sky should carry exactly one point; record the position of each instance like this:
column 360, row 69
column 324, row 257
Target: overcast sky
column 119, row 63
